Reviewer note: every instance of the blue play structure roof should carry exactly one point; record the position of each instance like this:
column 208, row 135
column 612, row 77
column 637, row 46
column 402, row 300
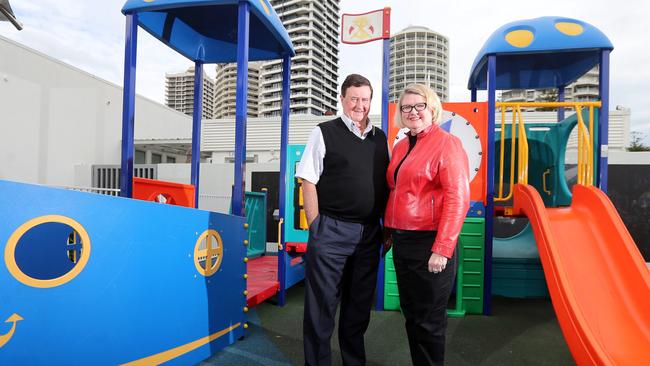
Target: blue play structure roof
column 206, row 30
column 545, row 52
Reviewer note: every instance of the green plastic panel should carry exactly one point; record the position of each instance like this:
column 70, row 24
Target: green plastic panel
column 391, row 293
column 256, row 220
column 469, row 289
column 518, row 278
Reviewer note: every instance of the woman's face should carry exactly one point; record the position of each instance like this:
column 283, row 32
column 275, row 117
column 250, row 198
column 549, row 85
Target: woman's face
column 414, row 119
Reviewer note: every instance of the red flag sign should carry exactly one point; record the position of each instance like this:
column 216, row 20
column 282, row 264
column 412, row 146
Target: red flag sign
column 366, row 27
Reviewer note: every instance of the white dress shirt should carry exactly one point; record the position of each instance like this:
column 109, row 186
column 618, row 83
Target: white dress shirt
column 310, row 167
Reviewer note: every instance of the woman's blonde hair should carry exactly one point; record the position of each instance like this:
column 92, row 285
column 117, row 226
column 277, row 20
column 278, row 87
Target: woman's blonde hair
column 431, row 98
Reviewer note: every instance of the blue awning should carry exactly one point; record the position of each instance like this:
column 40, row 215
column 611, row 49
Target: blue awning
column 545, row 52
column 206, row 30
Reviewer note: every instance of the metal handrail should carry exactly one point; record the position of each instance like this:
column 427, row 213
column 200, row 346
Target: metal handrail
column 585, row 143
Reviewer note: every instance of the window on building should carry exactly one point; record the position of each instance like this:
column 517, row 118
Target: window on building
column 249, row 159
column 140, row 157
column 171, row 160
column 156, row 158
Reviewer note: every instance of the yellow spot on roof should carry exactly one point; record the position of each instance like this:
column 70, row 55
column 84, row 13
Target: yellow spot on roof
column 520, row 38
column 570, row 28
column 266, row 8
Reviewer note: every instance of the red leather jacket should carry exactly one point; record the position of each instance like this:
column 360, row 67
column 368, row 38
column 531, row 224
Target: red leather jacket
column 432, row 190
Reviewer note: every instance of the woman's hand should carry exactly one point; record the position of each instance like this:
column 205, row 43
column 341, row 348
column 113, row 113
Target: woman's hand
column 437, row 263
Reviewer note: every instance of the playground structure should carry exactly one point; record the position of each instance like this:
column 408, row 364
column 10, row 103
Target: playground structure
column 597, row 279
column 124, row 281
column 145, row 283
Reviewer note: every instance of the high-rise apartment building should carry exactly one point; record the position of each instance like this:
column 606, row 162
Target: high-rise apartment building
column 226, row 90
column 179, row 93
column 585, row 89
column 314, row 30
column 419, row 55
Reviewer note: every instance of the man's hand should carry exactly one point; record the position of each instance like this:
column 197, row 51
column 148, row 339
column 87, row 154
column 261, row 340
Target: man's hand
column 437, row 263
column 387, row 240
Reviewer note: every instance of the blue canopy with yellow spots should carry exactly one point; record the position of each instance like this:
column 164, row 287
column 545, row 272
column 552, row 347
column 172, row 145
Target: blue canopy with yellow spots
column 206, row 30
column 546, row 52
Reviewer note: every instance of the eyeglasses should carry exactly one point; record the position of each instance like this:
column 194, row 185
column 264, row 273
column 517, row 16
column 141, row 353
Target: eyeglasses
column 407, row 108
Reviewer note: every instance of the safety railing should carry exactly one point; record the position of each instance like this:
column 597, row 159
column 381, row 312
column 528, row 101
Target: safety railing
column 519, row 144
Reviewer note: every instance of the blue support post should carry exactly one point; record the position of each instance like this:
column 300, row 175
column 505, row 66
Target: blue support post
column 489, row 209
column 384, row 84
column 603, row 121
column 284, row 144
column 473, row 95
column 560, row 98
column 379, row 299
column 196, row 129
column 128, row 102
column 241, row 109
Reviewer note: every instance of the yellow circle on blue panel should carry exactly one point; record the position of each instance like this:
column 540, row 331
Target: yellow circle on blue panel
column 570, row 28
column 211, row 255
column 520, row 38
column 12, row 243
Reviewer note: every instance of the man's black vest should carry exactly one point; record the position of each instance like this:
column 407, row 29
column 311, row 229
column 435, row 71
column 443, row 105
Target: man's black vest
column 353, row 185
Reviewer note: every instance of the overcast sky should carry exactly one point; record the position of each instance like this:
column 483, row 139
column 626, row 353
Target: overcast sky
column 90, row 35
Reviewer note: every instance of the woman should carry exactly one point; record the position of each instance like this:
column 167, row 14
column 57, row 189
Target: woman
column 428, row 177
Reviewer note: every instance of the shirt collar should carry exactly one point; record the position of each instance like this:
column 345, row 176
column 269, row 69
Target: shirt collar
column 353, row 128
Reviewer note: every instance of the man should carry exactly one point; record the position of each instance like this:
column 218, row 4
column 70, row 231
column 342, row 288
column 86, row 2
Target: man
column 343, row 169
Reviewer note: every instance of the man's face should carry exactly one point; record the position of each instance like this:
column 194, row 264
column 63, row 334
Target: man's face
column 356, row 103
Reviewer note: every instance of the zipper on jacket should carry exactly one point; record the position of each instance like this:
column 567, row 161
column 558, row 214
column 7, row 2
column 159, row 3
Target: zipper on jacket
column 412, row 141
column 433, row 208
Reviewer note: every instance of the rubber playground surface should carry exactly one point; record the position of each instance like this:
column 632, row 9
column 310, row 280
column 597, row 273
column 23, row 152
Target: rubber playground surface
column 519, row 332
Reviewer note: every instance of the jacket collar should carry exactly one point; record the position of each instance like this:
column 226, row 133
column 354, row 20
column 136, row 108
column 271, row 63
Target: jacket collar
column 433, row 128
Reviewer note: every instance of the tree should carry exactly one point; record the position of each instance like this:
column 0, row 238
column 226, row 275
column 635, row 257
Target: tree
column 547, row 95
column 637, row 143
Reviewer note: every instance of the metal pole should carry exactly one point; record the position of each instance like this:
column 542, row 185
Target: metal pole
column 241, row 109
column 379, row 294
column 128, row 106
column 384, row 85
column 560, row 98
column 489, row 209
column 603, row 121
column 196, row 129
column 284, row 145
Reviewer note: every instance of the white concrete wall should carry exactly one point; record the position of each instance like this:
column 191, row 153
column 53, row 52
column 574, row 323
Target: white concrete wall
column 262, row 135
column 57, row 121
column 629, row 158
column 216, row 180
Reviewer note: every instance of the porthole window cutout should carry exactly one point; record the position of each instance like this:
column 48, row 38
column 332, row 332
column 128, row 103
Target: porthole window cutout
column 47, row 251
column 208, row 252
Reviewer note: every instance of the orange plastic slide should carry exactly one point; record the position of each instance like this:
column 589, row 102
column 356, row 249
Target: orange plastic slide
column 598, row 280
